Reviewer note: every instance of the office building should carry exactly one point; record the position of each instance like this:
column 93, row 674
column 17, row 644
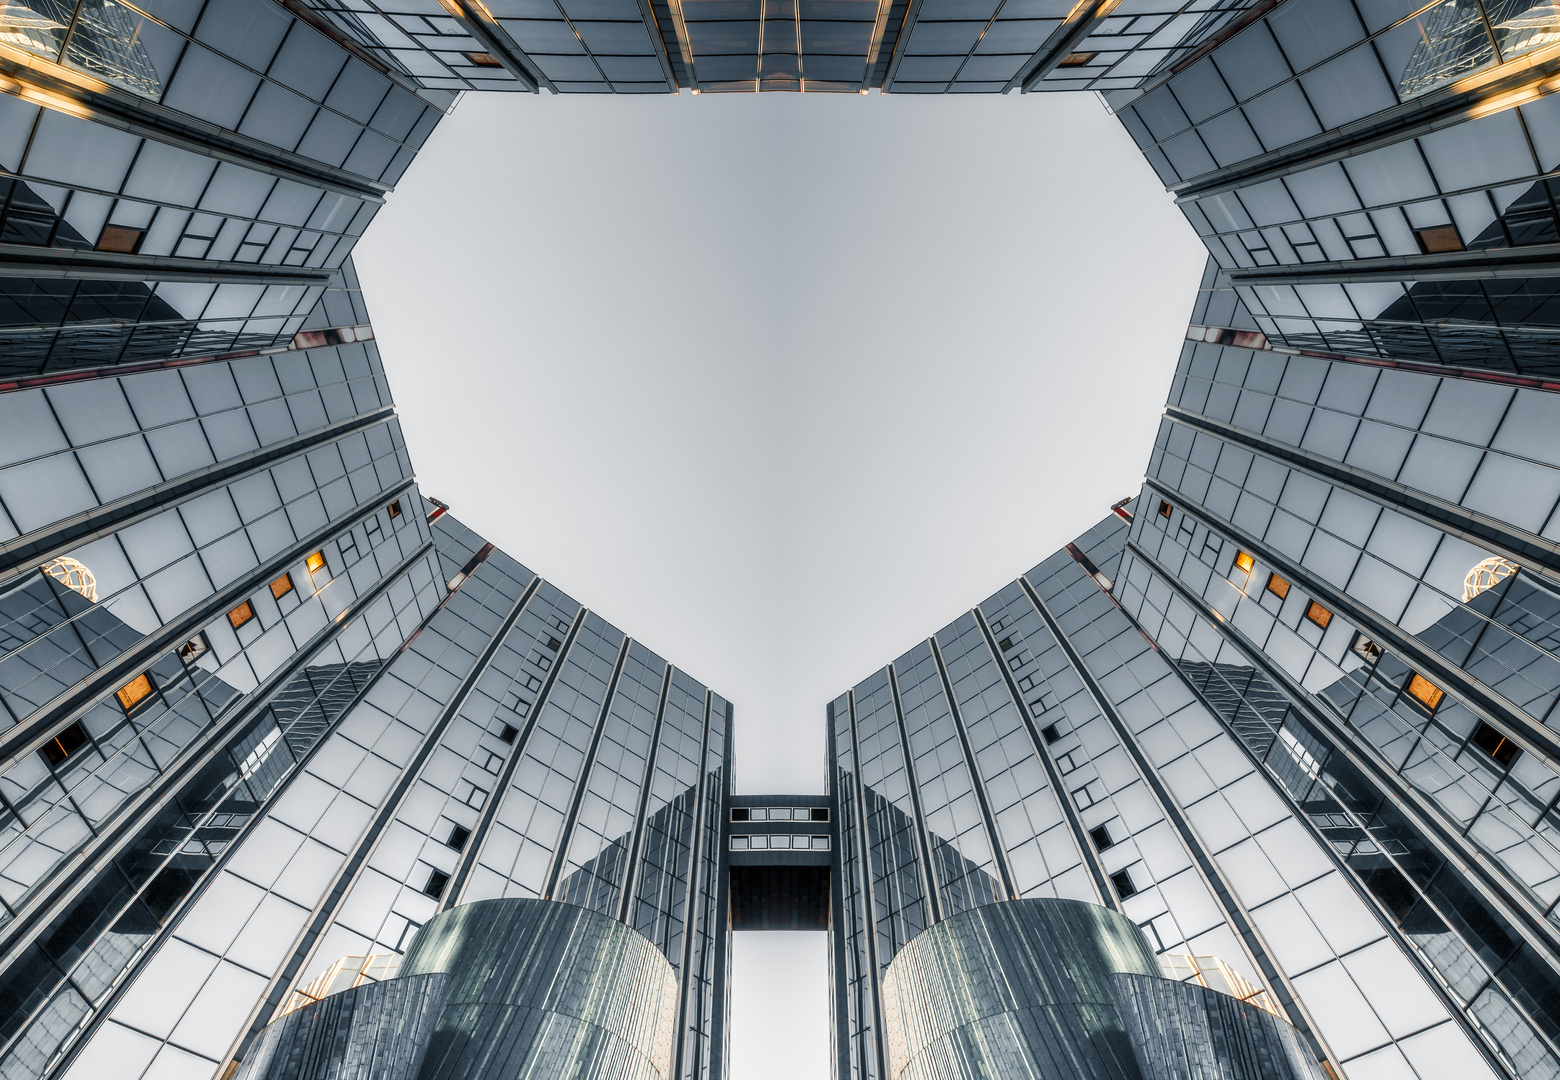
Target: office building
column 268, row 711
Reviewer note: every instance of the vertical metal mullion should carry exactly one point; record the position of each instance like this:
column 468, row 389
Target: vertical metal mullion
column 1064, row 800
column 566, row 837
column 1235, row 912
column 929, row 883
column 998, row 855
column 473, row 853
column 720, row 931
column 631, row 878
column 691, row 894
column 869, row 903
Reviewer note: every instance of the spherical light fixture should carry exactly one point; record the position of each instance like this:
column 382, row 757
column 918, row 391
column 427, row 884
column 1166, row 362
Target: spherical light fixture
column 71, row 574
column 1486, row 575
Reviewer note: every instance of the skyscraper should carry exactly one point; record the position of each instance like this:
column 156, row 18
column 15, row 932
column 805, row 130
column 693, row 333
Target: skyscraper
column 1289, row 710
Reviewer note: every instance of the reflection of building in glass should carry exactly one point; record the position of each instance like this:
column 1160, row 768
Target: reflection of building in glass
column 263, row 707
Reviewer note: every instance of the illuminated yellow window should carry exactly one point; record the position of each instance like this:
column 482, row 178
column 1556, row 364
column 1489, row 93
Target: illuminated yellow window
column 135, row 691
column 1425, row 692
column 316, row 562
column 395, row 509
column 1318, row 614
column 241, row 614
column 1277, row 586
column 282, row 586
column 1244, row 562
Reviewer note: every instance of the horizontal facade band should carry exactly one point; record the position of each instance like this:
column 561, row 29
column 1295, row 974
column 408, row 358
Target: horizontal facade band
column 1465, row 99
column 1537, row 261
column 35, row 548
column 55, row 86
column 1483, row 702
column 30, row 735
column 27, row 261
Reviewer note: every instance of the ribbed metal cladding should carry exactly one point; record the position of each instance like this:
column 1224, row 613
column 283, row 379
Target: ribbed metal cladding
column 1014, row 989
column 1182, row 1031
column 541, row 988
column 375, row 1032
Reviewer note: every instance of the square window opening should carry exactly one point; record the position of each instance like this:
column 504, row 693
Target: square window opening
column 508, row 733
column 1321, row 617
column 1496, row 745
column 1277, row 586
column 1164, row 509
column 1125, row 887
column 241, row 614
column 64, row 744
column 194, row 649
column 315, row 562
column 820, row 813
column 1050, row 733
column 1244, row 562
column 1425, row 692
column 135, row 691
column 1101, row 837
column 1440, row 239
column 458, row 837
column 438, row 881
column 740, row 813
column 395, row 509
column 281, row 586
column 120, row 240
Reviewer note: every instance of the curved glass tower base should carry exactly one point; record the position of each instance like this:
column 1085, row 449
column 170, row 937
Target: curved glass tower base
column 1063, row 988
column 490, row 991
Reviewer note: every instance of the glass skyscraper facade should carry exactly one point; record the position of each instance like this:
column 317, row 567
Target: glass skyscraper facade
column 266, row 710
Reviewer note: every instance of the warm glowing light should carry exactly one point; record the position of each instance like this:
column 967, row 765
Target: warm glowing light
column 135, row 691
column 1425, row 692
column 1486, row 575
column 281, row 586
column 241, row 614
column 74, row 576
column 315, row 562
column 1244, row 562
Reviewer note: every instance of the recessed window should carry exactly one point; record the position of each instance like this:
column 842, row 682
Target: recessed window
column 1277, row 586
column 1050, row 733
column 438, row 881
column 1123, row 883
column 394, row 509
column 135, row 691
column 1101, row 837
column 1363, row 646
column 819, row 813
column 1164, row 509
column 740, row 813
column 241, row 614
column 1493, row 743
column 1319, row 615
column 315, row 562
column 1439, row 239
column 1077, row 59
column 1244, row 562
column 458, row 837
column 193, row 649
column 1425, row 692
column 282, row 586
column 554, row 644
column 64, row 744
column 482, row 59
column 1005, row 644
column 120, row 240
column 508, row 733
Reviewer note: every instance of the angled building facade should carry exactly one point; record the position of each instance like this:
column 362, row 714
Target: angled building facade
column 266, row 711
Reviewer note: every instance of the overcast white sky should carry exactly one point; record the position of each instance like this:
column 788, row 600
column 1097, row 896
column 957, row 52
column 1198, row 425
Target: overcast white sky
column 780, row 384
